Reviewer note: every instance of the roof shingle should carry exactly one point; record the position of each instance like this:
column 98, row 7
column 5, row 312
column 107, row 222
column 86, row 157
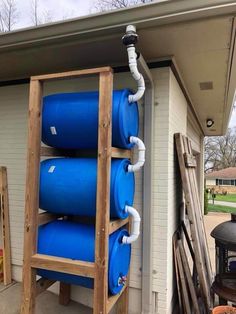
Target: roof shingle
column 227, row 173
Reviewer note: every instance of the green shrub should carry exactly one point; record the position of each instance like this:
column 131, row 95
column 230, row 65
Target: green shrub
column 205, row 202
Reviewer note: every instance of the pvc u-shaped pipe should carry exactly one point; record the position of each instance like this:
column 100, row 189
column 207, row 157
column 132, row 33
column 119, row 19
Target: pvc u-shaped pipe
column 141, row 154
column 136, row 75
column 135, row 231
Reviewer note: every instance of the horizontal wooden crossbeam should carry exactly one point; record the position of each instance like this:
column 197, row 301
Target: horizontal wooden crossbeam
column 70, row 74
column 44, row 218
column 55, row 152
column 120, row 153
column 63, row 265
column 117, row 224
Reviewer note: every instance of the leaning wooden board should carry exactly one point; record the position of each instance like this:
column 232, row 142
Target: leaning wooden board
column 5, row 226
column 187, row 166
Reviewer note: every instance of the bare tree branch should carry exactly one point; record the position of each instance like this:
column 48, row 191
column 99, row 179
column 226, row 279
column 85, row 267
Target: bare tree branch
column 38, row 15
column 9, row 15
column 106, row 5
column 220, row 151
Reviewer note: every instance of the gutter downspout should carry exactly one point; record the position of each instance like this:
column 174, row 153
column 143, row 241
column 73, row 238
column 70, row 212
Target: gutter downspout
column 147, row 256
column 142, row 78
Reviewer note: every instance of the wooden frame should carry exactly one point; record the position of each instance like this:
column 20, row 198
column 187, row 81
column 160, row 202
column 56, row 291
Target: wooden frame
column 5, row 226
column 99, row 269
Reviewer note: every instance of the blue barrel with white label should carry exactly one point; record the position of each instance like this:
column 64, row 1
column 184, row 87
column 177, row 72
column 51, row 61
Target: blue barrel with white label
column 77, row 241
column 70, row 120
column 68, row 186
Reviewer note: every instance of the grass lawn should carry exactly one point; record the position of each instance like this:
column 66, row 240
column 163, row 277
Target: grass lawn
column 226, row 198
column 222, row 209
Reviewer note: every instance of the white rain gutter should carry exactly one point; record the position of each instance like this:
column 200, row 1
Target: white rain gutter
column 135, row 231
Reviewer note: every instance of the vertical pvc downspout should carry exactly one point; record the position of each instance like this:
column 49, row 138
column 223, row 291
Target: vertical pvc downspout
column 147, row 268
column 148, row 305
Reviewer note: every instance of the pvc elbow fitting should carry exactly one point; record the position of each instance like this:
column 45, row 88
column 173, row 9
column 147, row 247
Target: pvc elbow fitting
column 136, row 221
column 141, row 154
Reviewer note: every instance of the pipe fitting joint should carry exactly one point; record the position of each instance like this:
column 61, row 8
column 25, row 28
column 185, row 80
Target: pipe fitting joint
column 136, row 221
column 141, row 154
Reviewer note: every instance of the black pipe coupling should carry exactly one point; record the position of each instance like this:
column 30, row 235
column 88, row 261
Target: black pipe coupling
column 131, row 37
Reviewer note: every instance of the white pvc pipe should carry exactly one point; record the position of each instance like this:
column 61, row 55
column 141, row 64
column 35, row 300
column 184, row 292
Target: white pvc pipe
column 135, row 231
column 141, row 154
column 132, row 56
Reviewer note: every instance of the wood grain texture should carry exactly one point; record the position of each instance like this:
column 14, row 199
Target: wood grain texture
column 70, row 74
column 121, row 153
column 189, row 279
column 5, row 226
column 186, row 301
column 117, row 224
column 63, row 265
column 103, row 193
column 32, row 197
column 55, row 152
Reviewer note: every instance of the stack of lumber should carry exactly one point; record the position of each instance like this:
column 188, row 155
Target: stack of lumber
column 194, row 275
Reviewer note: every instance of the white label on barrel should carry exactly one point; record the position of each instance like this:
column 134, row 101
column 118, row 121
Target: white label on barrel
column 53, row 130
column 51, row 169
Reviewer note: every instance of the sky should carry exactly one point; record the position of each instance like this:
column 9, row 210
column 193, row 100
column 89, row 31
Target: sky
column 232, row 123
column 58, row 9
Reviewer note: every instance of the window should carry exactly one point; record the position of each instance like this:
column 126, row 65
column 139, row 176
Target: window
column 225, row 182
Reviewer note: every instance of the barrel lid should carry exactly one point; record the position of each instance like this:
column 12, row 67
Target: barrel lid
column 124, row 188
column 226, row 232
column 128, row 118
column 119, row 262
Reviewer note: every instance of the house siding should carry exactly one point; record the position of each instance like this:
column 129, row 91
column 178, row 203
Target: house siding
column 170, row 117
column 177, row 124
column 13, row 138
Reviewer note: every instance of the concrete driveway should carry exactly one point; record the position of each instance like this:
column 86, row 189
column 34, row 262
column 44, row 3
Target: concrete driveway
column 211, row 221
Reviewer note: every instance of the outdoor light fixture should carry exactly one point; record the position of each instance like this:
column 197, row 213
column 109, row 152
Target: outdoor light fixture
column 209, row 123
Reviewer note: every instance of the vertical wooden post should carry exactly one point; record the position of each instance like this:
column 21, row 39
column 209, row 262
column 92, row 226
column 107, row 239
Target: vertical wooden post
column 64, row 294
column 5, row 226
column 103, row 193
column 32, row 197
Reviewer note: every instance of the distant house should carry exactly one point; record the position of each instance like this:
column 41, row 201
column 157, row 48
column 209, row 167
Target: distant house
column 224, row 179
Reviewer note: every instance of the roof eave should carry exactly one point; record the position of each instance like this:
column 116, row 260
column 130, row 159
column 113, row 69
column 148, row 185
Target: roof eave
column 107, row 23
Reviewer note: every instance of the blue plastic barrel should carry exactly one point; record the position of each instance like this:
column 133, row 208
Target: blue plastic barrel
column 68, row 186
column 77, row 241
column 70, row 120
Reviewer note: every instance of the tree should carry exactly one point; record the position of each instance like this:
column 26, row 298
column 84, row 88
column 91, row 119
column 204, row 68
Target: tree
column 220, row 151
column 9, row 15
column 39, row 16
column 105, row 5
